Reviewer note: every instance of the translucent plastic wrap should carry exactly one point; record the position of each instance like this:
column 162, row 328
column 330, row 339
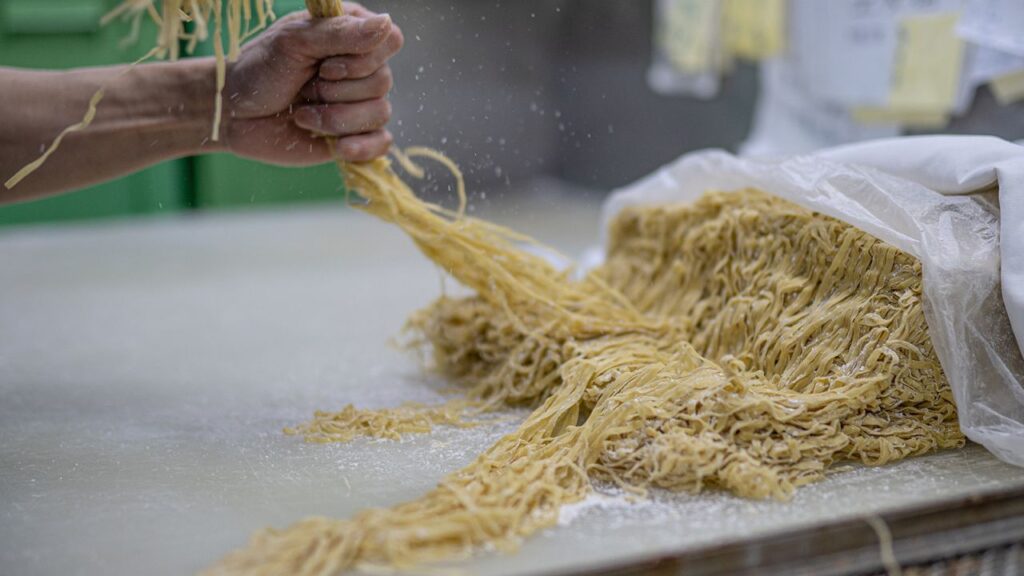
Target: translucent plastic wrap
column 955, row 236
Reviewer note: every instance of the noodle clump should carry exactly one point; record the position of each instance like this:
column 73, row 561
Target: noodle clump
column 740, row 343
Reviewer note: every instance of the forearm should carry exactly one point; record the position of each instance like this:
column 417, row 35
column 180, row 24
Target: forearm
column 150, row 113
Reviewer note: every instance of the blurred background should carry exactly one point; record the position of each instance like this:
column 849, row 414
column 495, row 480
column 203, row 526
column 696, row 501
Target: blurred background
column 582, row 96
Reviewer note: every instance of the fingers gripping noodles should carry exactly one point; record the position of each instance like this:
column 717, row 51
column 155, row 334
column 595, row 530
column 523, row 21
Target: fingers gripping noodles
column 740, row 343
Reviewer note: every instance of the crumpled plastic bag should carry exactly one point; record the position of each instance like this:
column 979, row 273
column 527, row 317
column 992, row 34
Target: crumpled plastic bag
column 935, row 198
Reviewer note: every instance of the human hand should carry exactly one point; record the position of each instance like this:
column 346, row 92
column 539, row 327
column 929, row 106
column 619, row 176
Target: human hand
column 306, row 78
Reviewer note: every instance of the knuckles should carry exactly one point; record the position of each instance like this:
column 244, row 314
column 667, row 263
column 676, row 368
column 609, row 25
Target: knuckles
column 396, row 40
column 387, row 111
column 291, row 32
column 343, row 119
column 378, row 114
column 287, row 36
column 366, row 148
column 384, row 81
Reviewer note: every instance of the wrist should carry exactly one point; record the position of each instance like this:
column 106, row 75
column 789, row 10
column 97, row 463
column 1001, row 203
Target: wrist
column 197, row 106
column 169, row 104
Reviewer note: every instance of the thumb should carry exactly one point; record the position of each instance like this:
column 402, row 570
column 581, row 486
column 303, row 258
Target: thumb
column 345, row 35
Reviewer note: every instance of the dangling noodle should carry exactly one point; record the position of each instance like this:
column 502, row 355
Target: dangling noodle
column 173, row 18
column 90, row 115
column 740, row 343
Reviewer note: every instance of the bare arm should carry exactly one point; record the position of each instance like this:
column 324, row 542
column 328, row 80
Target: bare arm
column 299, row 79
column 151, row 113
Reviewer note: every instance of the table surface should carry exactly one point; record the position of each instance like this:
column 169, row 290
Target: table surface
column 147, row 369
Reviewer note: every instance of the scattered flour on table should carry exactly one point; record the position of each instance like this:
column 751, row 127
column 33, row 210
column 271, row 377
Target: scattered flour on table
column 597, row 500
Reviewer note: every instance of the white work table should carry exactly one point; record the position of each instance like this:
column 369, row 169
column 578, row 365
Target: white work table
column 147, row 369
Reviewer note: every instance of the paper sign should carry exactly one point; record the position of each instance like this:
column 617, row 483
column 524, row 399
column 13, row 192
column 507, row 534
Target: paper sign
column 754, row 29
column 846, row 49
column 926, row 73
column 689, row 32
column 688, row 59
column 981, row 65
column 924, row 119
column 1008, row 88
column 843, row 49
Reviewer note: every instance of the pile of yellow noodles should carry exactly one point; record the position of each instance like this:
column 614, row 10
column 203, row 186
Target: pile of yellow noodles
column 741, row 343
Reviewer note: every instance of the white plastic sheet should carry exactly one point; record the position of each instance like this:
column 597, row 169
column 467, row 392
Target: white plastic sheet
column 935, row 198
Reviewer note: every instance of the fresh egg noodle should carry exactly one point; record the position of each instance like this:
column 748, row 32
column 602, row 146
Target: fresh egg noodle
column 739, row 343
